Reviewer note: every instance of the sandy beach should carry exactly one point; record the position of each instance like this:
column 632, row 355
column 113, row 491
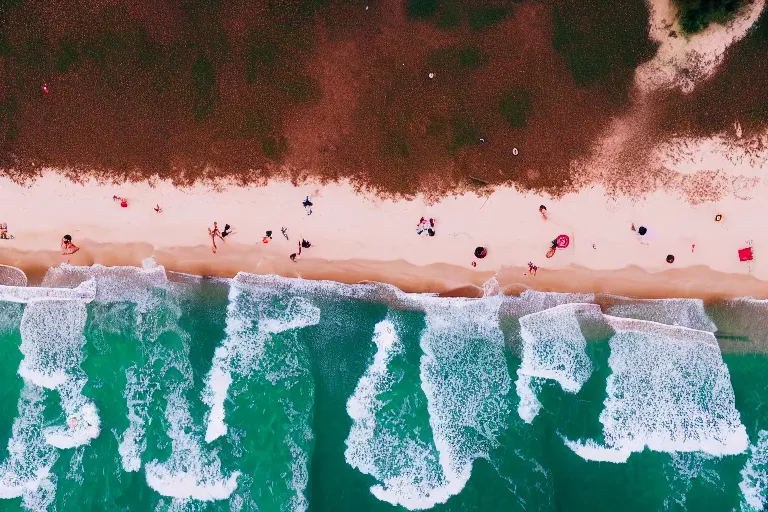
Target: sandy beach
column 361, row 237
column 628, row 172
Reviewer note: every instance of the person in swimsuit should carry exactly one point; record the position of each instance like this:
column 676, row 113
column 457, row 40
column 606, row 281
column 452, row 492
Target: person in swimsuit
column 543, row 211
column 431, row 228
column 214, row 233
column 227, row 231
column 307, row 204
column 3, row 231
column 67, row 247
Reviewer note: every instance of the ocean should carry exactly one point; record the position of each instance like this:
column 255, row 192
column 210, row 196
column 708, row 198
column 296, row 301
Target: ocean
column 136, row 389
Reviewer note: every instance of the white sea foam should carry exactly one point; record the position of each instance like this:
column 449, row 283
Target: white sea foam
column 189, row 473
column 84, row 292
column 52, row 344
column 532, row 301
column 465, row 379
column 669, row 391
column 26, row 472
column 553, row 348
column 112, row 284
column 754, row 476
column 680, row 312
column 407, row 468
column 590, row 450
column 250, row 323
column 133, row 442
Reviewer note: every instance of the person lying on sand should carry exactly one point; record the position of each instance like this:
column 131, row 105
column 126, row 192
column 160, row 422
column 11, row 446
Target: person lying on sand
column 227, row 231
column 543, row 211
column 67, row 247
column 421, row 226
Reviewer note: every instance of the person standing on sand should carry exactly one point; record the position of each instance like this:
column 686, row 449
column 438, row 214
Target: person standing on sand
column 532, row 269
column 296, row 256
column 543, row 211
column 215, row 233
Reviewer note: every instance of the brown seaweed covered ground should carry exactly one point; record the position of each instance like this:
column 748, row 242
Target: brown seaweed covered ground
column 187, row 89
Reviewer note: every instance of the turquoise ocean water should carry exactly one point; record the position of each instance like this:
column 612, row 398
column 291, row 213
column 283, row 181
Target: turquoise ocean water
column 133, row 389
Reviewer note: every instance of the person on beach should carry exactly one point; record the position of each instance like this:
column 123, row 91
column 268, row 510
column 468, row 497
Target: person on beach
column 307, row 204
column 305, row 244
column 431, row 228
column 67, row 247
column 421, row 226
column 123, row 201
column 227, row 231
column 215, row 233
column 543, row 211
column 284, row 231
column 296, row 256
column 4, row 232
column 157, row 208
column 532, row 269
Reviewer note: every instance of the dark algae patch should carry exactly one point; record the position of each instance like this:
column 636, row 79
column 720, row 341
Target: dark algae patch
column 737, row 92
column 602, row 41
column 696, row 15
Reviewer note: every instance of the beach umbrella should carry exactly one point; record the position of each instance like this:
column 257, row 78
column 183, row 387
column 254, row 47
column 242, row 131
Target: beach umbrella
column 562, row 241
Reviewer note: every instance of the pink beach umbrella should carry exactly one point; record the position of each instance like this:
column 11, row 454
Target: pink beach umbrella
column 562, row 241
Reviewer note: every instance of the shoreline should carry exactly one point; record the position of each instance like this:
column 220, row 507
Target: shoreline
column 360, row 237
column 696, row 282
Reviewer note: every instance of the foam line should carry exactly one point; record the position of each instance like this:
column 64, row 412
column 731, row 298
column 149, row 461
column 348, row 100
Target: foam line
column 52, row 344
column 669, row 391
column 85, row 292
column 553, row 349
column 243, row 348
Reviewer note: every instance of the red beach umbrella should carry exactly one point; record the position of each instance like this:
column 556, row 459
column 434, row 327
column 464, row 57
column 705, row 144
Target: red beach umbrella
column 562, row 241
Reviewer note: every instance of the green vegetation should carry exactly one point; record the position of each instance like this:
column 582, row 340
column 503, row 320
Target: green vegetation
column 464, row 132
column 67, row 56
column 421, row 9
column 260, row 58
column 273, row 143
column 601, row 40
column 515, row 105
column 203, row 80
column 6, row 49
column 484, row 17
column 456, row 61
column 696, row 15
column 302, row 89
column 451, row 14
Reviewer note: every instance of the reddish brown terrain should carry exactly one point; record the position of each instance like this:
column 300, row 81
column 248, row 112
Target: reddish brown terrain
column 339, row 89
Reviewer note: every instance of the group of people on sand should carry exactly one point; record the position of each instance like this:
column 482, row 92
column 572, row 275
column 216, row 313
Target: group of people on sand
column 426, row 227
column 215, row 232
